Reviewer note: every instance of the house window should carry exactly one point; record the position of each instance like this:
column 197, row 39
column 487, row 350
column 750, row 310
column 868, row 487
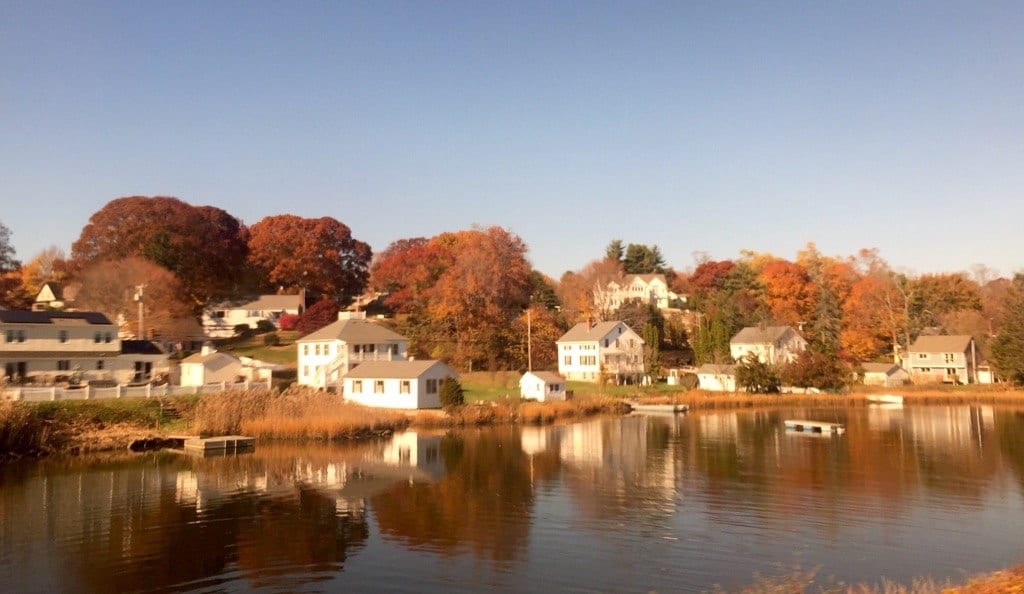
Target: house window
column 305, row 350
column 922, row 355
column 950, row 357
column 99, row 364
column 316, row 349
column 10, row 336
column 219, row 313
column 394, row 349
column 568, row 359
column 356, row 349
column 63, row 365
column 925, row 369
column 606, row 343
column 97, row 338
column 378, row 386
column 403, row 388
column 107, row 337
column 431, row 386
column 357, row 386
column 62, row 336
column 305, row 371
column 368, row 348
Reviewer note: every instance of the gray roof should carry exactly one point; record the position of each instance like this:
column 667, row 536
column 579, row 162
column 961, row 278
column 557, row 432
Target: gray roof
column 215, row 359
column 548, row 377
column 760, row 334
column 885, row 368
column 17, row 316
column 584, row 332
column 263, row 303
column 941, row 344
column 354, row 331
column 392, row 369
column 711, row 368
column 140, row 347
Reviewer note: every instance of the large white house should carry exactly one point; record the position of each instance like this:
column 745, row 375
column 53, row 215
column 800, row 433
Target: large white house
column 589, row 350
column 325, row 356
column 220, row 319
column 397, row 384
column 649, row 289
column 49, row 345
column 777, row 345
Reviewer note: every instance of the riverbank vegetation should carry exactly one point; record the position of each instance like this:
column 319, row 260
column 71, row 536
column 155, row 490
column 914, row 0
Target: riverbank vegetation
column 800, row 581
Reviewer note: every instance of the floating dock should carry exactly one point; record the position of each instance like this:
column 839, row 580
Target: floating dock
column 225, row 444
column 884, row 399
column 814, row 426
column 659, row 408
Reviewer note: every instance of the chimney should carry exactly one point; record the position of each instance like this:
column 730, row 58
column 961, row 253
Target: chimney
column 208, row 349
column 590, row 323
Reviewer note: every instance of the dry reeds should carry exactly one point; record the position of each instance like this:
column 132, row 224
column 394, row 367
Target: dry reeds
column 292, row 414
column 797, row 580
column 23, row 432
column 513, row 410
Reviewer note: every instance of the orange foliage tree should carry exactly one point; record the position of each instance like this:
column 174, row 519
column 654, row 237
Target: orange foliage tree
column 789, row 293
column 463, row 290
column 316, row 254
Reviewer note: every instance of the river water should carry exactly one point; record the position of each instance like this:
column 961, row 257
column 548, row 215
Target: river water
column 638, row 503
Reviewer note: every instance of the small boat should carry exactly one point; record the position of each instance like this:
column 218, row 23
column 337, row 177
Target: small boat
column 884, row 398
column 659, row 408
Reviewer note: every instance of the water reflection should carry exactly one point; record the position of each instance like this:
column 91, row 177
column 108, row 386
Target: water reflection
column 704, row 496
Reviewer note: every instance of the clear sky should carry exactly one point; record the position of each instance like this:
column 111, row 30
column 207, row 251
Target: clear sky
column 696, row 126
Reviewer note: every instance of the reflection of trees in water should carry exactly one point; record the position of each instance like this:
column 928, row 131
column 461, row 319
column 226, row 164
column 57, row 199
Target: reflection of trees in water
column 129, row 526
column 1010, row 429
column 484, row 502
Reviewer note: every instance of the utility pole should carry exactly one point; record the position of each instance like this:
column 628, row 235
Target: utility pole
column 529, row 340
column 138, row 298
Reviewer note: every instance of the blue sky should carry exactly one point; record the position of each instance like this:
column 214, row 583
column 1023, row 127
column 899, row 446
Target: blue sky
column 696, row 126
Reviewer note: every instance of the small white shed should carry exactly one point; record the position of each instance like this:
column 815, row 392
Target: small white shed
column 884, row 374
column 717, row 378
column 397, row 384
column 544, row 386
column 210, row 367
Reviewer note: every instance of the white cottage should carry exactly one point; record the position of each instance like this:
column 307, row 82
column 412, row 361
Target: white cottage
column 210, row 367
column 544, row 386
column 397, row 384
column 884, row 374
column 717, row 378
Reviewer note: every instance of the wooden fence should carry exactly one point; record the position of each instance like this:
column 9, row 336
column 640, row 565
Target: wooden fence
column 41, row 394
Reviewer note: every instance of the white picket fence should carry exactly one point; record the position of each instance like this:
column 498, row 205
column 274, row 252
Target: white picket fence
column 31, row 394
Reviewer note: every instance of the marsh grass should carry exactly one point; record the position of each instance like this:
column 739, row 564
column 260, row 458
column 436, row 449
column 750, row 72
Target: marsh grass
column 24, row 432
column 296, row 413
column 799, row 581
column 515, row 410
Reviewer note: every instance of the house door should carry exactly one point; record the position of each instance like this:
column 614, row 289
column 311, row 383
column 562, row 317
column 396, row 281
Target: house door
column 143, row 371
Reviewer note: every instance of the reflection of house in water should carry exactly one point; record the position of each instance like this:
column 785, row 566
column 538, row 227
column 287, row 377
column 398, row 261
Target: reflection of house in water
column 535, row 440
column 721, row 426
column 953, row 426
column 415, row 451
column 885, row 417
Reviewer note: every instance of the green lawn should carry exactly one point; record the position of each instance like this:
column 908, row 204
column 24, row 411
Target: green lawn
column 252, row 346
column 484, row 386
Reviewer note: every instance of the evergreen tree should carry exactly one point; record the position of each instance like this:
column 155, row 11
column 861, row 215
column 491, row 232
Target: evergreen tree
column 451, row 393
column 614, row 251
column 641, row 259
column 827, row 323
column 755, row 376
column 1008, row 345
column 652, row 350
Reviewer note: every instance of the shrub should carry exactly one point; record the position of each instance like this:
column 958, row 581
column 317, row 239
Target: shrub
column 287, row 321
column 451, row 393
column 242, row 330
column 271, row 339
column 753, row 375
column 263, row 326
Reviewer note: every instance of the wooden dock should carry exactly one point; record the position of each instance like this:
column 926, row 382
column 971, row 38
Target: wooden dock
column 225, row 444
column 659, row 408
column 814, row 426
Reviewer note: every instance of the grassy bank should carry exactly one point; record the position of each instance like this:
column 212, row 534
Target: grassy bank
column 799, row 581
column 516, row 411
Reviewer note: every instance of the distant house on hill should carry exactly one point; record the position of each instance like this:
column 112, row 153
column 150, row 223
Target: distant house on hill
column 589, row 350
column 945, row 359
column 50, row 296
column 771, row 344
column 649, row 289
column 884, row 374
column 220, row 319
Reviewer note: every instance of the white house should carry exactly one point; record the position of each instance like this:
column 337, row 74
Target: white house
column 42, row 345
column 325, row 356
column 544, row 386
column 589, row 350
column 771, row 344
column 220, row 319
column 210, row 367
column 948, row 359
column 397, row 384
column 717, row 378
column 649, row 289
column 884, row 374
column 139, row 362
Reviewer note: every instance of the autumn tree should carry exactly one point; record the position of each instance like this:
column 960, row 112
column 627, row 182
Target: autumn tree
column 463, row 292
column 319, row 255
column 111, row 287
column 8, row 262
column 317, row 316
column 204, row 246
column 788, row 292
column 541, row 326
column 585, row 294
column 13, row 293
column 1008, row 345
column 815, row 369
column 754, row 375
column 49, row 265
column 937, row 295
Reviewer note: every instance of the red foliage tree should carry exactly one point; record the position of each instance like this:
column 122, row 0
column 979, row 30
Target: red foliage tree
column 317, row 316
column 203, row 246
column 319, row 255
